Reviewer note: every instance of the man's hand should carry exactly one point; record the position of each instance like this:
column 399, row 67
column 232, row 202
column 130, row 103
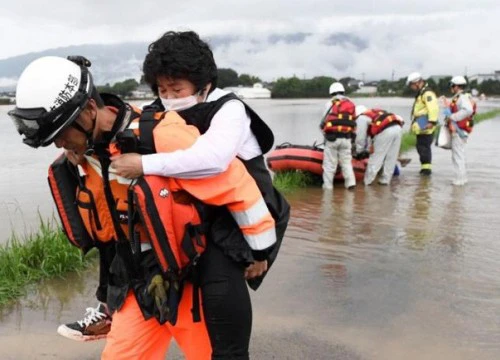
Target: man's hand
column 127, row 165
column 362, row 155
column 256, row 269
column 430, row 126
column 73, row 157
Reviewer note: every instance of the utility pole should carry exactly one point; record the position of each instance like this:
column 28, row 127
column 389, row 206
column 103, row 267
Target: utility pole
column 392, row 76
column 363, row 77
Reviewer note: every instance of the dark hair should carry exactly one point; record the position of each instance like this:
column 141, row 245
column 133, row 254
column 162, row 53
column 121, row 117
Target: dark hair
column 180, row 55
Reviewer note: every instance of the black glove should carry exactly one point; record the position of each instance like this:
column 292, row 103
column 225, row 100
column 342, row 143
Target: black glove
column 362, row 155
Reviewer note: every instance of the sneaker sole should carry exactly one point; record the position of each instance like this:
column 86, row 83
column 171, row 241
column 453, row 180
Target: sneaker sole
column 68, row 333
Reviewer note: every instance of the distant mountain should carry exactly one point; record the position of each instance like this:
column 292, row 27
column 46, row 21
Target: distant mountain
column 118, row 62
column 110, row 63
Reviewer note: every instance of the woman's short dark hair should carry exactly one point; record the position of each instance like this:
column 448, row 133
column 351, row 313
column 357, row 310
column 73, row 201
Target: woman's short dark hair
column 180, row 55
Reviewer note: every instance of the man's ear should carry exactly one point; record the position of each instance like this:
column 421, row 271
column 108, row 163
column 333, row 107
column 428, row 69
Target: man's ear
column 91, row 108
column 88, row 114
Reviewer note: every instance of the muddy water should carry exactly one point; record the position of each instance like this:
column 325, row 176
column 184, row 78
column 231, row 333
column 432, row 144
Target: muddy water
column 408, row 271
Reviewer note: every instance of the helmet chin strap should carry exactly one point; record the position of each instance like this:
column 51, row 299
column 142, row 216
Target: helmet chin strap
column 88, row 135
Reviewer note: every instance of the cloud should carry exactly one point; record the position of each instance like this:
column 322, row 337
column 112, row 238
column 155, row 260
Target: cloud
column 346, row 41
column 7, row 82
column 273, row 38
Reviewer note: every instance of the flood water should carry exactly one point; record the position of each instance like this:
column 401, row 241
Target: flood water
column 409, row 271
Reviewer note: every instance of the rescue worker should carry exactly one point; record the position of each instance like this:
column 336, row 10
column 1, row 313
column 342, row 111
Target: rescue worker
column 424, row 115
column 338, row 126
column 57, row 103
column 180, row 68
column 460, row 122
column 385, row 131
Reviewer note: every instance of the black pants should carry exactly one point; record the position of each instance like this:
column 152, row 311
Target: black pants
column 226, row 304
column 107, row 253
column 424, row 143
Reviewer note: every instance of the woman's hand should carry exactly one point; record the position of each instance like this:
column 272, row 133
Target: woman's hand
column 127, row 165
column 256, row 269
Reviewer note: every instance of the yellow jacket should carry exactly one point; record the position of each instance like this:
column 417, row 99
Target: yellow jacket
column 426, row 104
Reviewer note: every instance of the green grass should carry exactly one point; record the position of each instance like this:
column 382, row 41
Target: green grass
column 408, row 141
column 290, row 180
column 41, row 255
column 486, row 115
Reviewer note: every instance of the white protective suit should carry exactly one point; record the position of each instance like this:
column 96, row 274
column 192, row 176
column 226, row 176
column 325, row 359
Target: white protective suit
column 338, row 152
column 386, row 146
column 459, row 138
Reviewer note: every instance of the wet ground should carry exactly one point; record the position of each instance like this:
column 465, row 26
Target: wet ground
column 408, row 271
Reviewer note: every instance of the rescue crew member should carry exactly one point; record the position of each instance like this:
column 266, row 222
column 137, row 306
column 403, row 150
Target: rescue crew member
column 339, row 130
column 424, row 115
column 57, row 102
column 180, row 68
column 384, row 131
column 460, row 122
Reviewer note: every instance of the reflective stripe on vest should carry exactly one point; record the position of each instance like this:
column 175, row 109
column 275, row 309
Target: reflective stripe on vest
column 380, row 120
column 341, row 117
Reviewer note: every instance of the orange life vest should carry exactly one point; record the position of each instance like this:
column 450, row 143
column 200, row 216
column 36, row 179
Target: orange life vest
column 381, row 119
column 341, row 117
column 63, row 182
column 173, row 224
column 107, row 217
column 468, row 123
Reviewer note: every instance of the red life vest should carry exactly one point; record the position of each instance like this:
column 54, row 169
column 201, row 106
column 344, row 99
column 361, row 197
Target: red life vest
column 381, row 119
column 468, row 123
column 341, row 117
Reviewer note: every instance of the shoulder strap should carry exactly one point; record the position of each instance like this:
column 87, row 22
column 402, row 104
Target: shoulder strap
column 147, row 123
column 202, row 114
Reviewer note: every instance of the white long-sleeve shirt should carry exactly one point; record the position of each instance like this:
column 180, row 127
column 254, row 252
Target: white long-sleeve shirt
column 363, row 141
column 228, row 136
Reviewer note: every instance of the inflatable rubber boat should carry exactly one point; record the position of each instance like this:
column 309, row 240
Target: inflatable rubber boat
column 288, row 157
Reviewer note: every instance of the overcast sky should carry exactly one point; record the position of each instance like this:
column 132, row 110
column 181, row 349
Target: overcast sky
column 274, row 38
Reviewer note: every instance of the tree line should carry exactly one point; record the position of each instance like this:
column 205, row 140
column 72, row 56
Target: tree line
column 317, row 87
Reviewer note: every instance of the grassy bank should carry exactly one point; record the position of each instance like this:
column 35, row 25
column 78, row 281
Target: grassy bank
column 41, row 255
column 287, row 181
column 290, row 180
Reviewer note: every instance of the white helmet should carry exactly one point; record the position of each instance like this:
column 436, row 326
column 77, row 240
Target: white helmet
column 336, row 87
column 458, row 80
column 360, row 109
column 51, row 93
column 413, row 77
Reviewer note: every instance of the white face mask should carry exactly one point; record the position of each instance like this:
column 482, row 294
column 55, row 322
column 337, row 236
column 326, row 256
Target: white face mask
column 181, row 103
